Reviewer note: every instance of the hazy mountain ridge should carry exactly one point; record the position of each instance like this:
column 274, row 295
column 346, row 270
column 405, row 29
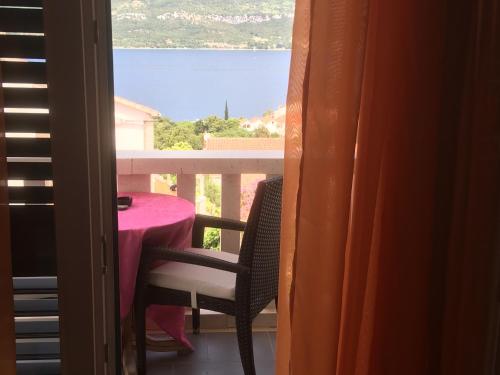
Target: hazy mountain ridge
column 262, row 24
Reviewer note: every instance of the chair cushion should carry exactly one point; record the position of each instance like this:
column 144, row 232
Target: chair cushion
column 197, row 279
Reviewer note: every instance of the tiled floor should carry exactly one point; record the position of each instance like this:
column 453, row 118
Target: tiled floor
column 215, row 354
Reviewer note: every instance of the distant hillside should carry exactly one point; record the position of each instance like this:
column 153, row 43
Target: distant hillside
column 261, row 24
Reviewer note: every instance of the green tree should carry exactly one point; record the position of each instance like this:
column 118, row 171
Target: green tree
column 226, row 112
column 213, row 206
column 181, row 146
column 211, row 124
column 233, row 133
column 261, row 132
column 220, row 128
column 212, row 239
column 213, row 194
column 168, row 134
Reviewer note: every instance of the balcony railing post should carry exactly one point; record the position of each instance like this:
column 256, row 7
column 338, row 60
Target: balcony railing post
column 186, row 186
column 230, row 207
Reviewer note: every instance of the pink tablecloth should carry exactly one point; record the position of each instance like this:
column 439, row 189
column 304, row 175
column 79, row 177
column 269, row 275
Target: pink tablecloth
column 159, row 220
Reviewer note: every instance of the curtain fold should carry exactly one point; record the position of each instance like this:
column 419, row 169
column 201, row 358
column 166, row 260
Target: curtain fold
column 390, row 188
column 324, row 87
column 293, row 152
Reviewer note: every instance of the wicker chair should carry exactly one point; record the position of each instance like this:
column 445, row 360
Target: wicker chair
column 240, row 286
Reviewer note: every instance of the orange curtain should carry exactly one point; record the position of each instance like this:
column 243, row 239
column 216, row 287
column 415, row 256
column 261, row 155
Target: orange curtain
column 389, row 257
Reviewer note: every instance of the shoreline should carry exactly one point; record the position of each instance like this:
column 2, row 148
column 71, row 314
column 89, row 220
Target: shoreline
column 205, row 49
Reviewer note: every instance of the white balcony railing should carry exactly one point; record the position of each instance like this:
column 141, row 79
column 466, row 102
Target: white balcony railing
column 134, row 169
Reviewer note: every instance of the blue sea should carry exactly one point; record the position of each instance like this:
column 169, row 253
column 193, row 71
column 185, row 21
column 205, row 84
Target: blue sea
column 191, row 84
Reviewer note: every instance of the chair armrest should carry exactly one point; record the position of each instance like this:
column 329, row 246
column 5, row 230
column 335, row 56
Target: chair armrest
column 151, row 254
column 219, row 222
column 203, row 221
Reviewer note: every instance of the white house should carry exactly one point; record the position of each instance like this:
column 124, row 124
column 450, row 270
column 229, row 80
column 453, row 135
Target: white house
column 134, row 125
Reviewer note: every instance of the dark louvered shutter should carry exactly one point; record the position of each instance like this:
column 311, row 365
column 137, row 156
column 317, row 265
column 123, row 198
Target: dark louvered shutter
column 29, row 172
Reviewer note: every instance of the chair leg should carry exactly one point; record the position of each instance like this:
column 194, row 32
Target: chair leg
column 245, row 343
column 140, row 335
column 196, row 321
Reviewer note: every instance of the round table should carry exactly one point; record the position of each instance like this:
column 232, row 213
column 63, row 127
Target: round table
column 157, row 220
